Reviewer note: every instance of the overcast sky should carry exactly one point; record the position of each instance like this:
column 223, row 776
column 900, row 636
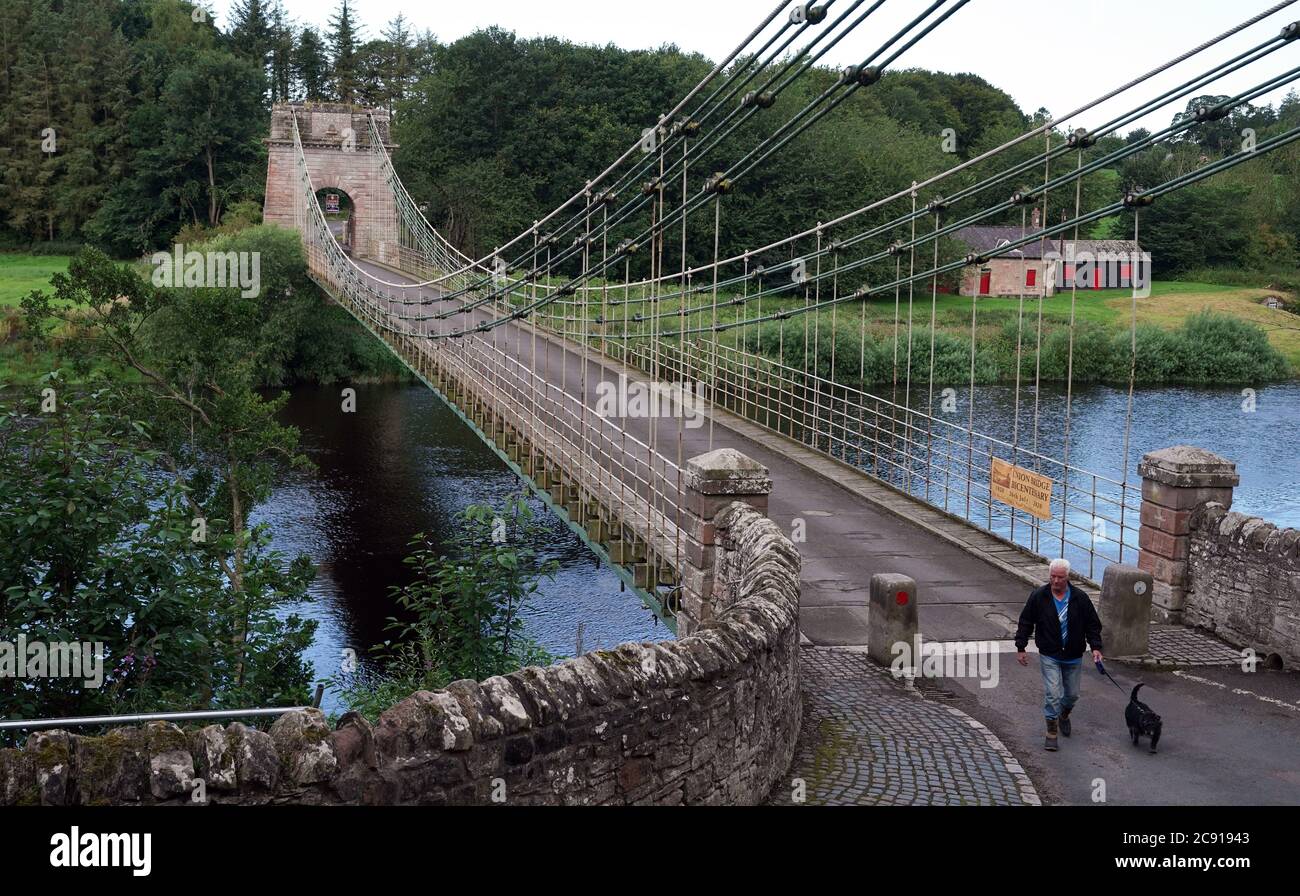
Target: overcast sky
column 1057, row 54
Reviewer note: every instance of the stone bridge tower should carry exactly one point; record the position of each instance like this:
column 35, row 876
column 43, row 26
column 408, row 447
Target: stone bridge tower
column 336, row 142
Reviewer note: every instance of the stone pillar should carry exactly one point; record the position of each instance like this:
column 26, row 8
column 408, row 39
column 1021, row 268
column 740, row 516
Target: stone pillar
column 1175, row 481
column 892, row 619
column 713, row 482
column 1126, row 607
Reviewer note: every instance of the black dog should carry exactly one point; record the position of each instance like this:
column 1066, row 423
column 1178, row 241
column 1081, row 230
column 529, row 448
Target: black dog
column 1141, row 720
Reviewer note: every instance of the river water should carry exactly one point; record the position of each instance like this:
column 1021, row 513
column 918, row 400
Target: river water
column 404, row 463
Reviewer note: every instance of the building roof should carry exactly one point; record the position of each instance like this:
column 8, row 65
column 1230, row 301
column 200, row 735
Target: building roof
column 985, row 239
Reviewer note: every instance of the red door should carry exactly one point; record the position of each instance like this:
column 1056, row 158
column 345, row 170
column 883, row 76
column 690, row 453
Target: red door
column 1096, row 277
column 986, row 281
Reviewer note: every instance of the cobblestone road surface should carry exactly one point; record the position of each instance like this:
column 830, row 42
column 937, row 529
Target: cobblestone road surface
column 869, row 740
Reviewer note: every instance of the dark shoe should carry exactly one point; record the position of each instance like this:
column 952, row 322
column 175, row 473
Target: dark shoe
column 1050, row 743
column 1064, row 722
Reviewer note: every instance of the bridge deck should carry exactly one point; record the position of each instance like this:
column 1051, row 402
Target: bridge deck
column 970, row 584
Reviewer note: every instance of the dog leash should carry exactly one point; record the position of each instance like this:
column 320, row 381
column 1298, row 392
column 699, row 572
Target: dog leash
column 1102, row 670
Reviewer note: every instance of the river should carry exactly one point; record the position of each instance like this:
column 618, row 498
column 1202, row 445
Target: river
column 404, row 463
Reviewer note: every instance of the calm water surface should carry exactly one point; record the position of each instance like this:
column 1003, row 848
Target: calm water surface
column 404, row 463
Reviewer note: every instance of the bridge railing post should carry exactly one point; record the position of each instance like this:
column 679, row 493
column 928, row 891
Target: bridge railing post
column 712, row 482
column 1175, row 481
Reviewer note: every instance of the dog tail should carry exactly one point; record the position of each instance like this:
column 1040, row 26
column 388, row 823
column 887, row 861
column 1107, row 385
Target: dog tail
column 1132, row 698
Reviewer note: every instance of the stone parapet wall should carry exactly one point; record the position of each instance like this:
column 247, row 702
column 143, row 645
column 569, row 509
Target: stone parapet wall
column 1243, row 581
column 711, row 718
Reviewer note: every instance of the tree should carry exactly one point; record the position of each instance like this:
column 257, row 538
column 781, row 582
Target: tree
column 343, row 41
column 311, row 66
column 212, row 130
column 197, row 354
column 101, row 544
column 1201, row 226
column 282, row 49
column 251, row 34
column 398, row 65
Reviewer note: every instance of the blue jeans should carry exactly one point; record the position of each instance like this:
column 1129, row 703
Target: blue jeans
column 1060, row 686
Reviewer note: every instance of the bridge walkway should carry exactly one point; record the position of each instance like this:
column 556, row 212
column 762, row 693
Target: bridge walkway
column 854, row 525
column 970, row 586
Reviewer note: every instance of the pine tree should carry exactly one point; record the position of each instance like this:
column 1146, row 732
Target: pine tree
column 311, row 68
column 343, row 39
column 250, row 30
column 281, row 70
column 397, row 74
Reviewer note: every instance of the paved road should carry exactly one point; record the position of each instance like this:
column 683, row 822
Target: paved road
column 1230, row 737
column 1220, row 746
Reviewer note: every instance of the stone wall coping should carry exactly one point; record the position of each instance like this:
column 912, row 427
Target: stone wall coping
column 1254, row 532
column 726, row 471
column 432, row 743
column 1186, row 466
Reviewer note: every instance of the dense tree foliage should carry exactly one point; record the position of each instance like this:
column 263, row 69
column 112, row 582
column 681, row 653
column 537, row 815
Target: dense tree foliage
column 132, row 503
column 157, row 118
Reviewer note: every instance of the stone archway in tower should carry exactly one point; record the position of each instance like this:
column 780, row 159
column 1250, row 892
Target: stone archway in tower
column 336, row 144
column 341, row 214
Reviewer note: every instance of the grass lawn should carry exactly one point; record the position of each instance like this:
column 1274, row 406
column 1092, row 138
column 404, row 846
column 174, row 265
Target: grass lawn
column 1172, row 308
column 20, row 274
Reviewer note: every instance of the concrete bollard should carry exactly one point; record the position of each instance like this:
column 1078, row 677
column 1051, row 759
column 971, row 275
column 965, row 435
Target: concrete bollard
column 1126, row 593
column 891, row 617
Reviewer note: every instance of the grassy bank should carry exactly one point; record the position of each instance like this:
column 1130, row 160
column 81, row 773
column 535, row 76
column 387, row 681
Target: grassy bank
column 329, row 345
column 1186, row 332
column 22, row 362
column 20, row 274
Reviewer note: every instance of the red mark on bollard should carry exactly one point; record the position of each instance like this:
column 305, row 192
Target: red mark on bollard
column 902, row 598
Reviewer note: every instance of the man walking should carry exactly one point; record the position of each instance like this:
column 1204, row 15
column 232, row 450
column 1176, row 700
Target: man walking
column 1060, row 617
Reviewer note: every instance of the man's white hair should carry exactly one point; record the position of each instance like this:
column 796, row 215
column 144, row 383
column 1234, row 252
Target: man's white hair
column 1059, row 563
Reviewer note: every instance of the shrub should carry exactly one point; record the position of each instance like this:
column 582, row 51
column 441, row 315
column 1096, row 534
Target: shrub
column 1218, row 348
column 467, row 605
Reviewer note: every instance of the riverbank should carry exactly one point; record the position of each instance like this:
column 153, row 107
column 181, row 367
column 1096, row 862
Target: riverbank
column 329, row 346
column 1198, row 334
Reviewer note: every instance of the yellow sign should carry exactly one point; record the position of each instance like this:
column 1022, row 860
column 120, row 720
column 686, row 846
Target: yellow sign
column 1022, row 489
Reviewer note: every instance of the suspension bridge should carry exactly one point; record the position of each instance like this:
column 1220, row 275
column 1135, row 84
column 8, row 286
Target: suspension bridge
column 603, row 294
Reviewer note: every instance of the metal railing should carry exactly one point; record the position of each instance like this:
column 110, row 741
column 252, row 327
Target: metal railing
column 136, row 718
column 1095, row 518
column 520, row 381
